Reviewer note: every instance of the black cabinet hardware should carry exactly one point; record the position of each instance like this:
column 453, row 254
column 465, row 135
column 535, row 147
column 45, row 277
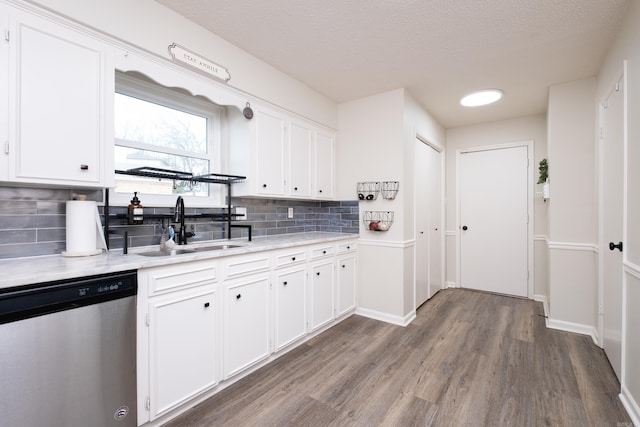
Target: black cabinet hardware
column 84, row 167
column 238, row 296
column 206, row 305
column 465, row 228
column 613, row 246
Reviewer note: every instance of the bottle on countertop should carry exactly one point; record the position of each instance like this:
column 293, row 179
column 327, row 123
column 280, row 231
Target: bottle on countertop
column 135, row 213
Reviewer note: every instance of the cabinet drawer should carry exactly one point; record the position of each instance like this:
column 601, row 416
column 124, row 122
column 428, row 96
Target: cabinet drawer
column 243, row 265
column 319, row 252
column 291, row 258
column 180, row 276
column 346, row 247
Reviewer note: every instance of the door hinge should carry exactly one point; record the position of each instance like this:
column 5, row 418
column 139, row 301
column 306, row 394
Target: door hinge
column 147, row 404
column 6, row 147
column 7, row 35
column 617, row 86
column 147, row 320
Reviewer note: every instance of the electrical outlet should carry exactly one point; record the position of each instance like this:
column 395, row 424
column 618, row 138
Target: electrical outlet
column 290, row 213
column 242, row 213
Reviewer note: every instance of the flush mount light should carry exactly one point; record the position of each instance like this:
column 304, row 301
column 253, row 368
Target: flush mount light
column 481, row 97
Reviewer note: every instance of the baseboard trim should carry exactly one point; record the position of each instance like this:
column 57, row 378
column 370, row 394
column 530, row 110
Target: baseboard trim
column 449, row 284
column 386, row 317
column 545, row 306
column 576, row 328
column 632, row 407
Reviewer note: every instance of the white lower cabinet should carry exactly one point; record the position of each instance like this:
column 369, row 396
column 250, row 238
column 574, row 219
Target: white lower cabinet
column 346, row 284
column 322, row 294
column 204, row 322
column 246, row 323
column 183, row 348
column 290, row 306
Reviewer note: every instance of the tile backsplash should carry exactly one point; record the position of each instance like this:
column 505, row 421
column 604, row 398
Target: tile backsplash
column 32, row 220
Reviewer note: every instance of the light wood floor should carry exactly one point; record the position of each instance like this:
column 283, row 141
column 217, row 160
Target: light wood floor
column 469, row 359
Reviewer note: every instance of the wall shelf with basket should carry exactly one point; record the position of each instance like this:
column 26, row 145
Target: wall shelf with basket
column 368, row 190
column 390, row 189
column 377, row 220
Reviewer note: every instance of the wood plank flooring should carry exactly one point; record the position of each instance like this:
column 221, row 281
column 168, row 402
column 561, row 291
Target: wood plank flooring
column 469, row 359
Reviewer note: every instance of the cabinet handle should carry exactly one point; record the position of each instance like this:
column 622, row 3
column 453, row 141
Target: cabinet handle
column 284, row 283
column 343, row 266
column 348, row 247
column 238, row 296
column 295, row 188
column 324, row 252
column 318, row 273
column 264, row 185
column 319, row 191
column 206, row 305
column 293, row 258
column 84, row 167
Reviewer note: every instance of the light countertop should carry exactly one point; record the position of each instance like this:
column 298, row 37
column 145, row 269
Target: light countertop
column 31, row 270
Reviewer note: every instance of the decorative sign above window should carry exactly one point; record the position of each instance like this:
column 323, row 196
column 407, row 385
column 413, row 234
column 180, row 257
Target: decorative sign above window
column 182, row 55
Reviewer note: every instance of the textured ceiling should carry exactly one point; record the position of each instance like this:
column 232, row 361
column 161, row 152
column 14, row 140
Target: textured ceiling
column 437, row 49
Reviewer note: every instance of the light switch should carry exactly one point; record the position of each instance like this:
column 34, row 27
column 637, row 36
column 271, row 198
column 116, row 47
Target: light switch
column 290, row 213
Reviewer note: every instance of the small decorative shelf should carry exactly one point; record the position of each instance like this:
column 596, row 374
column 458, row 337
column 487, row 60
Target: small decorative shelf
column 390, row 189
column 368, row 190
column 377, row 220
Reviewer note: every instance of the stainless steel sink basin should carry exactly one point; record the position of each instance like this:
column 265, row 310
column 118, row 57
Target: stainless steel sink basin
column 160, row 253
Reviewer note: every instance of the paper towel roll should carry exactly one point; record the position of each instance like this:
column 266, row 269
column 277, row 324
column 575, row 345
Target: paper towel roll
column 81, row 228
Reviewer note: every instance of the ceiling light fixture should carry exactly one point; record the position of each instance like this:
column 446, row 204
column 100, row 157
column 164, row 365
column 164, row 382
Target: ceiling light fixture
column 481, row 97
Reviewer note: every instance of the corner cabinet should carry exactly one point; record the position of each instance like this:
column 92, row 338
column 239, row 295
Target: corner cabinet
column 281, row 156
column 61, row 104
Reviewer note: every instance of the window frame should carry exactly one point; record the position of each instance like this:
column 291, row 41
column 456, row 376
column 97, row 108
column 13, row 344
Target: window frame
column 148, row 90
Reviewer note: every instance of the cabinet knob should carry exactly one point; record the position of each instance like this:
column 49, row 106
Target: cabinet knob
column 293, row 258
column 318, row 273
column 206, row 305
column 264, row 185
column 319, row 191
column 324, row 252
column 295, row 188
column 348, row 247
column 284, row 283
column 84, row 167
column 238, row 296
column 344, row 266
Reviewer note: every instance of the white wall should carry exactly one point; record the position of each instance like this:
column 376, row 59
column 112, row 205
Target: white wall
column 627, row 47
column 153, row 27
column 530, row 128
column 573, row 207
column 376, row 140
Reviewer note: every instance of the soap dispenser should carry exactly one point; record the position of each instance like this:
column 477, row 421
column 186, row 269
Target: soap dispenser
column 135, row 213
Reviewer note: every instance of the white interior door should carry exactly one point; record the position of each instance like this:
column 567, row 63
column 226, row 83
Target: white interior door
column 612, row 150
column 493, row 201
column 427, row 228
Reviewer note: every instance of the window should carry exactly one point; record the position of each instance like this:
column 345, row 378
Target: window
column 167, row 129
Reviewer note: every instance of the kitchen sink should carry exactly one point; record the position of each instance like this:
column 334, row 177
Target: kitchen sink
column 171, row 252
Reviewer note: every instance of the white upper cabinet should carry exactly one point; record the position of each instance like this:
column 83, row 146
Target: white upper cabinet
column 4, row 96
column 300, row 155
column 281, row 156
column 323, row 165
column 60, row 104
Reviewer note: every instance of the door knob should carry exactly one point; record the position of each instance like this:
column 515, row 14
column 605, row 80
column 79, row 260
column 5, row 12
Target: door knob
column 465, row 228
column 613, row 246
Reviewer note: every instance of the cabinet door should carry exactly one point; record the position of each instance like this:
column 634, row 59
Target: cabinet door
column 246, row 326
column 324, row 166
column 300, row 151
column 57, row 115
column 290, row 306
column 270, row 144
column 182, row 347
column 346, row 284
column 322, row 297
column 4, row 95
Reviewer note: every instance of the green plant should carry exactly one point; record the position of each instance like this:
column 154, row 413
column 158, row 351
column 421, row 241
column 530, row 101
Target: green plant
column 543, row 169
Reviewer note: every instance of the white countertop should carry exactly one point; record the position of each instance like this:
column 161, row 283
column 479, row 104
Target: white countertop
column 30, row 270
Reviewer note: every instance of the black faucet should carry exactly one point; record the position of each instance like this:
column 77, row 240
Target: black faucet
column 178, row 216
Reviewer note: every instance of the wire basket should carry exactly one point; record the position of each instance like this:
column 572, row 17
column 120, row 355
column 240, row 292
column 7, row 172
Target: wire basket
column 390, row 189
column 368, row 190
column 377, row 220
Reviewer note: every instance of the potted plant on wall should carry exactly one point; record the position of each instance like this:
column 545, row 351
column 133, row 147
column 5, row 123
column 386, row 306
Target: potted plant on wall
column 543, row 178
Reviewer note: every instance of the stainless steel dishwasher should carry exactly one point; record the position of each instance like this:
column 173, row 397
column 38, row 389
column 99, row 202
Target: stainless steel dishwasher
column 68, row 353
